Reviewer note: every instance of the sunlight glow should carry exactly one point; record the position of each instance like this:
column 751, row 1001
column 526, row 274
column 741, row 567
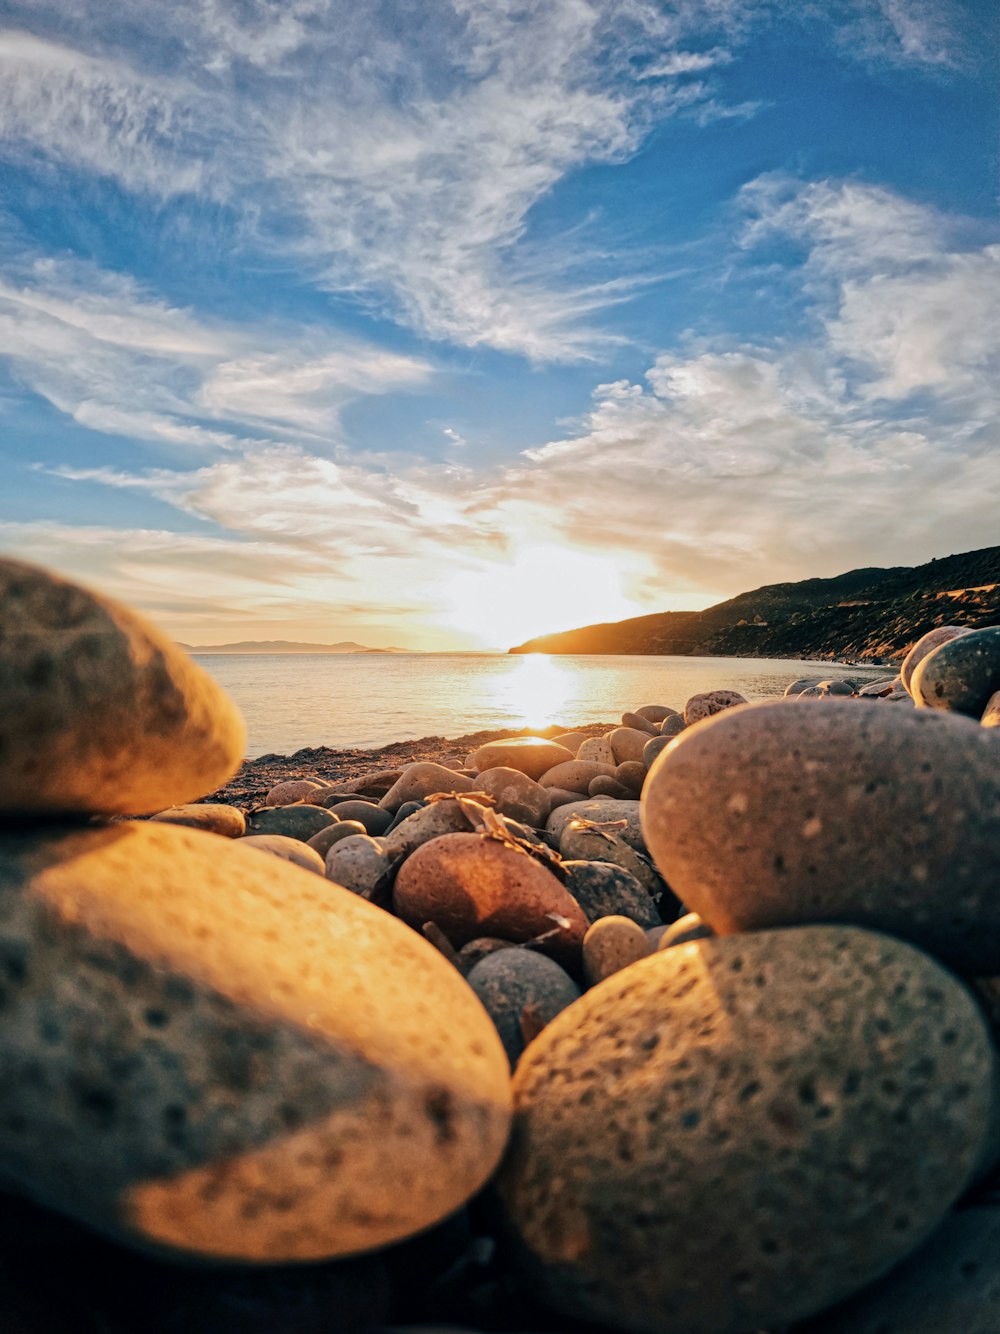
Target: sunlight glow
column 535, row 693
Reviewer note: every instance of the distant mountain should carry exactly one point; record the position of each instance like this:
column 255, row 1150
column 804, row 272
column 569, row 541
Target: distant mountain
column 286, row 646
column 864, row 614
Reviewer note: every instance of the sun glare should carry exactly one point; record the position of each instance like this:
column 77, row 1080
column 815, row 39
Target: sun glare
column 534, row 693
column 543, row 589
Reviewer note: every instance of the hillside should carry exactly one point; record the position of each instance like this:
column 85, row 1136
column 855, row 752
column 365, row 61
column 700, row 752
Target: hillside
column 874, row 614
column 285, row 646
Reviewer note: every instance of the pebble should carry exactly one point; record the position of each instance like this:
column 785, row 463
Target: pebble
column 294, row 789
column 604, row 889
column 288, row 849
column 881, row 817
column 423, row 780
column 653, row 747
column 927, row 644
column 991, row 714
column 632, row 774
column 738, row 1133
column 572, row 741
column 611, row 944
column 511, row 981
column 598, row 750
column 888, row 685
column 826, row 690
column 290, row 821
column 602, row 810
column 102, row 713
column 710, row 703
column 480, row 948
column 516, row 795
column 606, row 786
column 375, row 820
column 673, row 726
column 470, row 885
column 687, row 928
column 656, row 713
column 532, row 755
column 627, row 743
column 209, row 1054
column 407, row 809
column 322, row 842
column 561, row 796
column 574, row 775
column 803, row 683
column 581, row 844
column 331, row 800
column 638, row 723
column 427, row 822
column 229, row 821
column 362, row 865
column 960, row 675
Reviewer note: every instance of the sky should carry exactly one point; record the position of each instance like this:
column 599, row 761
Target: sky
column 448, row 324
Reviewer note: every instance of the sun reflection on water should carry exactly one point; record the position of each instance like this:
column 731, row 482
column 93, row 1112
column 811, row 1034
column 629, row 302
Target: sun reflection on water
column 535, row 694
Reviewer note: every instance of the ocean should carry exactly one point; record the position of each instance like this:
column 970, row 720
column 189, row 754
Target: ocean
column 370, row 699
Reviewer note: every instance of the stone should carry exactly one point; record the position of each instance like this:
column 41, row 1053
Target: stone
column 887, row 685
column 656, row 713
column 736, row 1134
column 101, row 713
column 474, row 950
column 430, row 821
column 803, row 683
column 574, row 775
column 632, row 774
column 322, row 842
column 287, row 849
column 991, row 714
column 638, row 723
column 407, row 809
column 516, row 795
column 960, row 675
column 362, row 865
column 597, row 749
column 511, row 981
column 611, row 944
column 471, row 885
column 606, row 786
column 835, row 686
column 375, row 820
column 673, row 726
column 604, row 889
column 423, row 780
column 578, row 843
column 654, row 934
column 653, row 747
column 700, row 707
column 602, row 810
column 774, row 814
column 294, row 789
column 943, row 634
column 685, row 929
column 228, row 821
column 571, row 741
column 627, row 743
column 290, row 821
column 532, row 755
column 331, row 800
column 560, row 796
column 207, row 1053
column 950, row 1285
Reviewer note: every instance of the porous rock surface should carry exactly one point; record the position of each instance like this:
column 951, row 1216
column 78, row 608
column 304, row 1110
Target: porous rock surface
column 101, row 711
column 208, row 1052
column 733, row 1134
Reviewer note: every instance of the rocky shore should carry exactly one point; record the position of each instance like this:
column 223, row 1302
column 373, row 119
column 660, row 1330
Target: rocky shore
column 684, row 1024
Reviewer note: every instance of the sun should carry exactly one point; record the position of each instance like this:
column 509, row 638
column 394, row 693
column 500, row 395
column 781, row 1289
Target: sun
column 541, row 590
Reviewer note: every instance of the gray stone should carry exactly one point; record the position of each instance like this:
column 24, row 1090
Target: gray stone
column 606, row 786
column 322, row 842
column 512, row 981
column 656, row 713
column 611, row 944
column 604, row 889
column 290, row 821
column 803, row 683
column 292, row 790
column 927, row 644
column 960, row 675
column 632, row 773
column 287, row 849
column 427, row 822
column 639, row 724
column 673, row 726
column 362, row 865
column 627, row 743
column 99, row 711
column 407, row 809
column 776, row 814
column 375, row 820
column 575, row 775
column 423, row 780
column 887, row 685
column 698, row 1146
column 602, row 810
column 208, row 1053
column 653, row 747
column 228, row 821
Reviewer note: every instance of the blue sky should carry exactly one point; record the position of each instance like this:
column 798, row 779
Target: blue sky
column 449, row 324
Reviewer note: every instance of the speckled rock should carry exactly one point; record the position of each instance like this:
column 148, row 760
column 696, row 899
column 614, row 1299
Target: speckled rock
column 207, row 1052
column 516, row 795
column 294, row 789
column 803, row 683
column 699, row 1147
column 511, row 982
column 700, row 707
column 656, row 713
column 581, row 844
column 375, row 820
column 100, row 711
column 575, row 774
column 430, row 821
column 632, row 774
column 602, row 810
column 322, row 842
column 606, row 786
column 298, row 821
column 673, row 726
column 470, row 885
column 481, row 948
column 950, row 1285
column 775, row 814
column 653, row 747
column 960, row 675
column 598, row 750
column 927, row 644
column 423, row 780
column 627, row 743
column 611, row 944
column 687, row 928
column 532, row 755
column 229, row 821
column 639, row 724
column 991, row 714
column 362, row 865
column 560, row 796
column 287, row 849
column 604, row 889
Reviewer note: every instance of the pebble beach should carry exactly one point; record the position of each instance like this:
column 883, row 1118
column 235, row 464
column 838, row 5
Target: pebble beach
column 682, row 1022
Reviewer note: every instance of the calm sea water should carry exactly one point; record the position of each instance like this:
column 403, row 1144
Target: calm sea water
column 370, row 700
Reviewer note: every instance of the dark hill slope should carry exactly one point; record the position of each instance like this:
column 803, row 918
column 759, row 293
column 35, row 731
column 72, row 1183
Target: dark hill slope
column 866, row 613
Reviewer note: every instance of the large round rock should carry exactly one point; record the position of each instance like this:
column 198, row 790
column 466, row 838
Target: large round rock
column 522, row 992
column 734, row 1134
column 531, row 755
column 212, row 1052
column 961, row 674
column 99, row 711
column 774, row 814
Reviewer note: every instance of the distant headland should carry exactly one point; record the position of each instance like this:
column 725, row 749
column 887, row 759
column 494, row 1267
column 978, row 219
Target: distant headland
column 868, row 614
column 287, row 646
